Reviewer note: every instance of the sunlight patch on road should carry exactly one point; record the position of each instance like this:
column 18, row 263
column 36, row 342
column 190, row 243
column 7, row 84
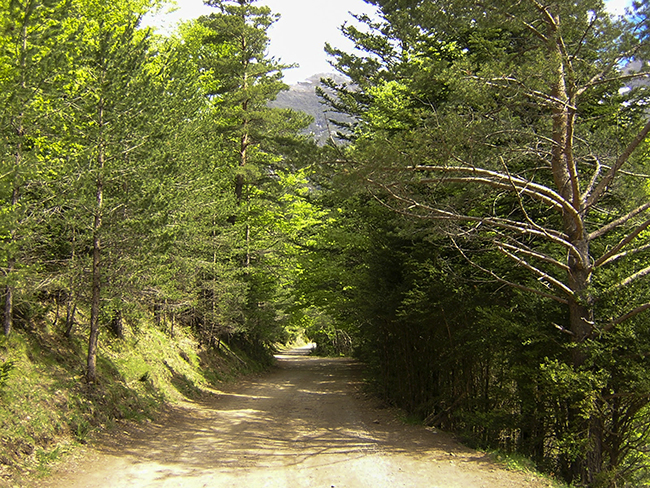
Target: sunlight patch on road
column 238, row 416
column 238, row 395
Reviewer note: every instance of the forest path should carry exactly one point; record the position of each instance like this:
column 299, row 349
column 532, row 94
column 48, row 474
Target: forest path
column 306, row 424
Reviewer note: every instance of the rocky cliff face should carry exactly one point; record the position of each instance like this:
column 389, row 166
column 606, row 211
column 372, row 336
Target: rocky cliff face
column 302, row 97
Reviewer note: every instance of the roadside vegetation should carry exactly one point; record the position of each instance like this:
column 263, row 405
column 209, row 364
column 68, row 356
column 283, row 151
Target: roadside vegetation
column 47, row 409
column 476, row 232
column 150, row 208
column 487, row 252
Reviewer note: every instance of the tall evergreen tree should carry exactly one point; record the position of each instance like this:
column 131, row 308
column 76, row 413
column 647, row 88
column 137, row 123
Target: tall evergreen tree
column 245, row 79
column 253, row 144
column 110, row 96
column 31, row 45
column 504, row 123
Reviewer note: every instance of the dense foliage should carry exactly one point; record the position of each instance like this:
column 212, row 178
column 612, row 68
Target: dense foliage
column 480, row 240
column 144, row 174
column 492, row 265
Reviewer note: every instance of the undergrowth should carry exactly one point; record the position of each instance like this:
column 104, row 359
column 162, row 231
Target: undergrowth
column 518, row 462
column 47, row 408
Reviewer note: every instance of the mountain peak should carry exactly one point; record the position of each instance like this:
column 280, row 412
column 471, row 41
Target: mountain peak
column 302, row 97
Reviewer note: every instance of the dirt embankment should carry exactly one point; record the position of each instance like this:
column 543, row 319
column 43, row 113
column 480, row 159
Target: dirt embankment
column 306, row 424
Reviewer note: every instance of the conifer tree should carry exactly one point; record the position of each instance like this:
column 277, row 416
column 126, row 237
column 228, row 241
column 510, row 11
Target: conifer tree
column 110, row 97
column 31, row 44
column 504, row 125
column 252, row 143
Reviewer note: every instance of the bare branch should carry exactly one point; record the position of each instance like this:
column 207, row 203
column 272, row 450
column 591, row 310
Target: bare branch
column 509, row 283
column 530, row 27
column 602, row 187
column 627, row 316
column 554, row 281
column 594, row 179
column 542, row 192
column 498, row 179
column 533, row 254
column 544, row 10
column 624, row 242
column 522, row 228
column 636, row 175
column 529, row 92
column 639, row 274
column 615, row 62
column 620, row 255
column 562, row 329
column 612, row 225
column 581, row 44
column 618, row 79
column 513, row 225
column 521, row 203
column 499, row 185
column 534, row 30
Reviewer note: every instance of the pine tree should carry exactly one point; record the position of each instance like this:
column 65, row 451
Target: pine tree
column 252, row 143
column 31, row 45
column 112, row 122
column 504, row 125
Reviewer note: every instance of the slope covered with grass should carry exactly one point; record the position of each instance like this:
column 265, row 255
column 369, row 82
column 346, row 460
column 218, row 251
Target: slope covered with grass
column 47, row 408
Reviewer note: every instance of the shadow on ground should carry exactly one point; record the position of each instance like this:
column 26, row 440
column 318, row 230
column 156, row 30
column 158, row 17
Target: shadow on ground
column 305, row 424
column 309, row 408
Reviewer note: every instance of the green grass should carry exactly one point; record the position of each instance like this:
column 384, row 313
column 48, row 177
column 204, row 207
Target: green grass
column 47, row 408
column 521, row 463
column 513, row 461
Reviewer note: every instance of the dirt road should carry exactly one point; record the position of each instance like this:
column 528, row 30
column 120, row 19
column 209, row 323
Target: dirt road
column 307, row 424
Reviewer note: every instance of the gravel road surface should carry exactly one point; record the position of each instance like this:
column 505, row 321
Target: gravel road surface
column 305, row 424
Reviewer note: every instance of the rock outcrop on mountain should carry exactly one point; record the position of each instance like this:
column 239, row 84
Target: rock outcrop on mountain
column 302, row 97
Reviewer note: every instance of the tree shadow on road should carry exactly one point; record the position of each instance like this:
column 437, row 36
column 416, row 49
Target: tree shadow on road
column 310, row 409
column 306, row 420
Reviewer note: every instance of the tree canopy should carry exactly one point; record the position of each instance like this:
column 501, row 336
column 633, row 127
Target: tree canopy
column 516, row 133
column 479, row 238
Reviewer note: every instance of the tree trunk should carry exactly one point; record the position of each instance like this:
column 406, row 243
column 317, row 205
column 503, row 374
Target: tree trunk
column 57, row 302
column 91, row 372
column 245, row 137
column 20, row 133
column 71, row 307
column 117, row 324
column 581, row 322
column 239, row 188
column 71, row 310
column 11, row 262
column 157, row 313
column 9, row 305
column 581, row 314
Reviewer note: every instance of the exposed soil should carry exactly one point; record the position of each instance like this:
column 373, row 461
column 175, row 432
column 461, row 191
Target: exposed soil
column 306, row 424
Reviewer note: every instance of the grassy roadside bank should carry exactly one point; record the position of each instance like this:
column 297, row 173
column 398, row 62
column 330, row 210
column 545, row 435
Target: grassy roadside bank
column 47, row 409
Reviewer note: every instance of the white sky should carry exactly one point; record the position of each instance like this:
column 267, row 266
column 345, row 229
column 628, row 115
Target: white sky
column 300, row 34
column 618, row 6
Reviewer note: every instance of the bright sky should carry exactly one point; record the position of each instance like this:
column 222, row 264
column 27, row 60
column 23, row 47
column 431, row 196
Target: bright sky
column 618, row 6
column 304, row 28
column 300, row 34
